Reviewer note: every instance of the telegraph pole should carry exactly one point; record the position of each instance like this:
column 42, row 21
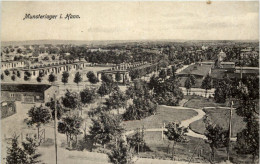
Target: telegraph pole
column 55, row 130
column 229, row 135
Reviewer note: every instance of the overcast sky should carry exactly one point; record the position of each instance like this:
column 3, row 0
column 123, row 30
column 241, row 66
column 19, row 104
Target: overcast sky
column 132, row 21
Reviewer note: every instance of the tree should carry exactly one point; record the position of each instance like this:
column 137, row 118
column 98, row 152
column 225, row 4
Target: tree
column 206, row 84
column 2, row 77
column 187, row 85
column 137, row 140
column 105, row 127
column 30, row 147
column 59, row 108
column 248, row 139
column 87, row 96
column 167, row 92
column 116, row 100
column 46, row 58
column 163, row 74
column 174, row 69
column 38, row 116
column 65, row 77
column 18, row 74
column 140, row 108
column 103, row 90
column 28, row 74
column 223, row 90
column 70, row 125
column 26, row 78
column 109, row 82
column 7, row 72
column 77, row 78
column 193, row 79
column 15, row 154
column 13, row 77
column 169, row 72
column 90, row 74
column 189, row 82
column 139, row 89
column 39, row 79
column 19, row 51
column 175, row 133
column 70, row 100
column 121, row 154
column 93, row 79
column 118, row 77
column 96, row 111
column 52, row 78
column 217, row 137
column 107, row 78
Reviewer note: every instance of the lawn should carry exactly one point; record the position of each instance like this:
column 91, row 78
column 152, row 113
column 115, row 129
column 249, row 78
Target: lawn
column 184, row 151
column 220, row 116
column 200, row 102
column 163, row 115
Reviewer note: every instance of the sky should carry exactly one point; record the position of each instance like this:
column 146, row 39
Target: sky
column 233, row 20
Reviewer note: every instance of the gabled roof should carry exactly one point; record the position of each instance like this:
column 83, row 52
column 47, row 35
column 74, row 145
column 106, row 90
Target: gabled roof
column 24, row 87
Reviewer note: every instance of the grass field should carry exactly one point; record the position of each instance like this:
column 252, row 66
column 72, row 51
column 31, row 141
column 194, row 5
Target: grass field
column 200, row 102
column 184, row 151
column 220, row 116
column 163, row 115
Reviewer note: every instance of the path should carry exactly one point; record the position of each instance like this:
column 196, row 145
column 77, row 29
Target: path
column 184, row 123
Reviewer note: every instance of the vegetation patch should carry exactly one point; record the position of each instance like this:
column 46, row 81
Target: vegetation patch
column 163, row 115
column 195, row 147
column 220, row 117
column 200, row 102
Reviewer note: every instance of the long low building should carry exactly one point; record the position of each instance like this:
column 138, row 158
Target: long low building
column 56, row 68
column 122, row 69
column 236, row 72
column 12, row 64
column 28, row 93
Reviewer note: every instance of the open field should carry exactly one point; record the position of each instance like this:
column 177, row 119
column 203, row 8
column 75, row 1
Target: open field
column 163, row 115
column 220, row 116
column 184, row 151
column 200, row 102
column 197, row 70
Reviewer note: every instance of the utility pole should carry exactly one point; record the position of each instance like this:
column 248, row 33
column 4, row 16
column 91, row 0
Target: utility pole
column 229, row 135
column 55, row 130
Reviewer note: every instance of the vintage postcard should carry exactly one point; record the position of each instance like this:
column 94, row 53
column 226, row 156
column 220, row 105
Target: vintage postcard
column 120, row 82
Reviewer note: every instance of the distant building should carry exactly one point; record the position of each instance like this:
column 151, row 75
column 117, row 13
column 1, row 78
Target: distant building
column 12, row 64
column 227, row 64
column 234, row 72
column 204, row 47
column 28, row 93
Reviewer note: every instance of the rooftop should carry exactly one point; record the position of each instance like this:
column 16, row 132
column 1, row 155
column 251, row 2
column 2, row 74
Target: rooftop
column 24, row 87
column 248, row 68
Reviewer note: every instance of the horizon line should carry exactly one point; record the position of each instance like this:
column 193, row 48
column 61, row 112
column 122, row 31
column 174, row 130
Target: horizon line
column 133, row 40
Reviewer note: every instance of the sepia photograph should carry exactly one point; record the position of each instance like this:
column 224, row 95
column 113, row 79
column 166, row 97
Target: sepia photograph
column 120, row 82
